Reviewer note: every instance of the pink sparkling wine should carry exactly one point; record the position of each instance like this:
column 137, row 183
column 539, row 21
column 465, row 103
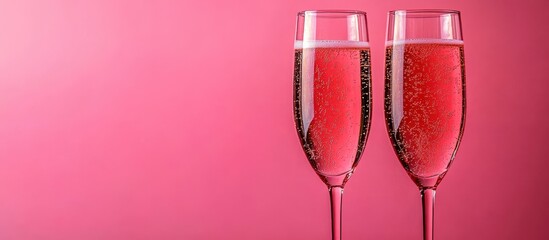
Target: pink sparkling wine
column 425, row 105
column 332, row 105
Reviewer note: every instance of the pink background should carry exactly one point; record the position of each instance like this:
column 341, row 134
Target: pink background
column 173, row 120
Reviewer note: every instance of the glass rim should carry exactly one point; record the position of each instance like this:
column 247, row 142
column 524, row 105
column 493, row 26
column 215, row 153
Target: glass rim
column 331, row 11
column 424, row 11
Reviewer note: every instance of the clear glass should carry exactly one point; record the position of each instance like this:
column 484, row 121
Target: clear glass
column 425, row 96
column 332, row 96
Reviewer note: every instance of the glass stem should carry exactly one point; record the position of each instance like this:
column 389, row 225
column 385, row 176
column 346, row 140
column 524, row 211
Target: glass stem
column 428, row 199
column 336, row 195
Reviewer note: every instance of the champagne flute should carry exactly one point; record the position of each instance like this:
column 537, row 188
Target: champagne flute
column 425, row 96
column 332, row 96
